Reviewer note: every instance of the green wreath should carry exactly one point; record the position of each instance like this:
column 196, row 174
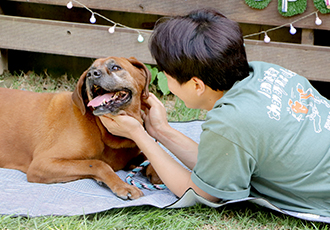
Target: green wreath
column 261, row 4
column 321, row 6
column 290, row 8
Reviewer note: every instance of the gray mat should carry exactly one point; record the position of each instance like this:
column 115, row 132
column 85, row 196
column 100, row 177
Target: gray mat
column 19, row 197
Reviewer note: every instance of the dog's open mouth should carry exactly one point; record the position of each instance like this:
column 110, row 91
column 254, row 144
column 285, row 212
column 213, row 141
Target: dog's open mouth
column 105, row 102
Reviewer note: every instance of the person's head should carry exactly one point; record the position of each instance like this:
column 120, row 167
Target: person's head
column 203, row 44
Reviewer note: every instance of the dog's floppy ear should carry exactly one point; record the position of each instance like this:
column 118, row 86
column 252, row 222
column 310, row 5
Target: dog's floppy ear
column 77, row 96
column 147, row 74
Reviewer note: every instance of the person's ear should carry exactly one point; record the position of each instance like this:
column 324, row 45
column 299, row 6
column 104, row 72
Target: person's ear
column 199, row 85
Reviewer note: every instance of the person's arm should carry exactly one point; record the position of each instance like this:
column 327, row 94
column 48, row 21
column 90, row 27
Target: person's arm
column 174, row 175
column 183, row 147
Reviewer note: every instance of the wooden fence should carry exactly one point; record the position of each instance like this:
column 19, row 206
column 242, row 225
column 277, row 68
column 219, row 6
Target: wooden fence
column 88, row 40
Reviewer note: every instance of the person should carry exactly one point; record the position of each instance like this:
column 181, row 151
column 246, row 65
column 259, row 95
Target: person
column 267, row 130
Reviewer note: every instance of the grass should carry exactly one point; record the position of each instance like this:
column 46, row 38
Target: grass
column 38, row 83
column 177, row 111
column 235, row 216
column 242, row 216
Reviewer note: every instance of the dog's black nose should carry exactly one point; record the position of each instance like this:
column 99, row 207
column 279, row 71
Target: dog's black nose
column 95, row 73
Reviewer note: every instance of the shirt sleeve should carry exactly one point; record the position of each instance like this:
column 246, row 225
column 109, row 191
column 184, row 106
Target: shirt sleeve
column 223, row 168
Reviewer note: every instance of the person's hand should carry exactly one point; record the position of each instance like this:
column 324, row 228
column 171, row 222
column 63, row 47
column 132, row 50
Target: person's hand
column 155, row 117
column 121, row 125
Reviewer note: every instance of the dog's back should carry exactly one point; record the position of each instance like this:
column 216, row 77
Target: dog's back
column 21, row 120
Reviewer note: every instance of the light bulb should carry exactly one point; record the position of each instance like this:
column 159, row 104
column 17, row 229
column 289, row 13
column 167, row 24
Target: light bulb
column 266, row 39
column 140, row 38
column 92, row 19
column 69, row 5
column 318, row 21
column 292, row 30
column 112, row 29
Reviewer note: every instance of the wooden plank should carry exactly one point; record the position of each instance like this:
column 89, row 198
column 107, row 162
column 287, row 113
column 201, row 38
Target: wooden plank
column 3, row 56
column 236, row 10
column 73, row 39
column 306, row 60
column 3, row 60
column 85, row 40
column 307, row 36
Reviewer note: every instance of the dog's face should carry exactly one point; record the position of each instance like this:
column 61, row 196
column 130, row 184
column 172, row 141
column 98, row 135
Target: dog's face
column 112, row 85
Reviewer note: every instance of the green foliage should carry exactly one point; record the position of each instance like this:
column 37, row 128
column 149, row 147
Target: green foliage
column 257, row 4
column 159, row 79
column 177, row 110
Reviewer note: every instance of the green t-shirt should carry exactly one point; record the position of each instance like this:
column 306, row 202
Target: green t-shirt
column 268, row 136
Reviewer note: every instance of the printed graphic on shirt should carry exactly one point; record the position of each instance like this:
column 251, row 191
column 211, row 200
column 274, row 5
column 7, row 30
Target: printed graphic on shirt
column 302, row 103
column 273, row 86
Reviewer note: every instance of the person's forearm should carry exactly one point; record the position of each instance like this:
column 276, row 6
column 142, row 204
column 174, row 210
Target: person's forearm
column 184, row 148
column 174, row 175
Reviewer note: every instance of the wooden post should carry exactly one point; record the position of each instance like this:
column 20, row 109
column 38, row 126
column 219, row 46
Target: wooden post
column 307, row 37
column 3, row 56
column 3, row 60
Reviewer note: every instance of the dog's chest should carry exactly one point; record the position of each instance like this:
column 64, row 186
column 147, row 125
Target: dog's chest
column 119, row 158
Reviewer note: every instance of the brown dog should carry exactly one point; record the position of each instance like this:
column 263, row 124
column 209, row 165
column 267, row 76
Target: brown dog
column 56, row 137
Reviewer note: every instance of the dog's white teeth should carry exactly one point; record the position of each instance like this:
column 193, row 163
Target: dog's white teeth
column 104, row 102
column 116, row 94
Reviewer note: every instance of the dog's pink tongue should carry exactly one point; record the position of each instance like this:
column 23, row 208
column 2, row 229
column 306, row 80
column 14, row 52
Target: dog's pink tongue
column 99, row 99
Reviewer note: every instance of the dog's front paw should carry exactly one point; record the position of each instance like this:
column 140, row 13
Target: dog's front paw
column 127, row 191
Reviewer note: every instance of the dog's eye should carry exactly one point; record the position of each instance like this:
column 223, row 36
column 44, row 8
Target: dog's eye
column 115, row 67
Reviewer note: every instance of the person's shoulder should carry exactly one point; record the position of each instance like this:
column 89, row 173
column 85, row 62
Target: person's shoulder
column 261, row 66
column 224, row 114
column 269, row 69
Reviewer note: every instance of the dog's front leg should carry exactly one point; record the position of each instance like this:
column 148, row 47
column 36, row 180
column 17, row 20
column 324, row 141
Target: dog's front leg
column 62, row 170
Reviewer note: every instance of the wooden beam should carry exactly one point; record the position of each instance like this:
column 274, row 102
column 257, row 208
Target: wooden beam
column 306, row 60
column 236, row 10
column 72, row 39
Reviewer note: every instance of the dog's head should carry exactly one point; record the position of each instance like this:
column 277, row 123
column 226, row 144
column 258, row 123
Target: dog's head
column 112, row 85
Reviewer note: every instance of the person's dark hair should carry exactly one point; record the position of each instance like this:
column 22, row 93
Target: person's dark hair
column 204, row 44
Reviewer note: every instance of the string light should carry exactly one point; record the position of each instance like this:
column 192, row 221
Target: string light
column 318, row 21
column 293, row 30
column 111, row 29
column 266, row 39
column 92, row 19
column 69, row 5
column 140, row 38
